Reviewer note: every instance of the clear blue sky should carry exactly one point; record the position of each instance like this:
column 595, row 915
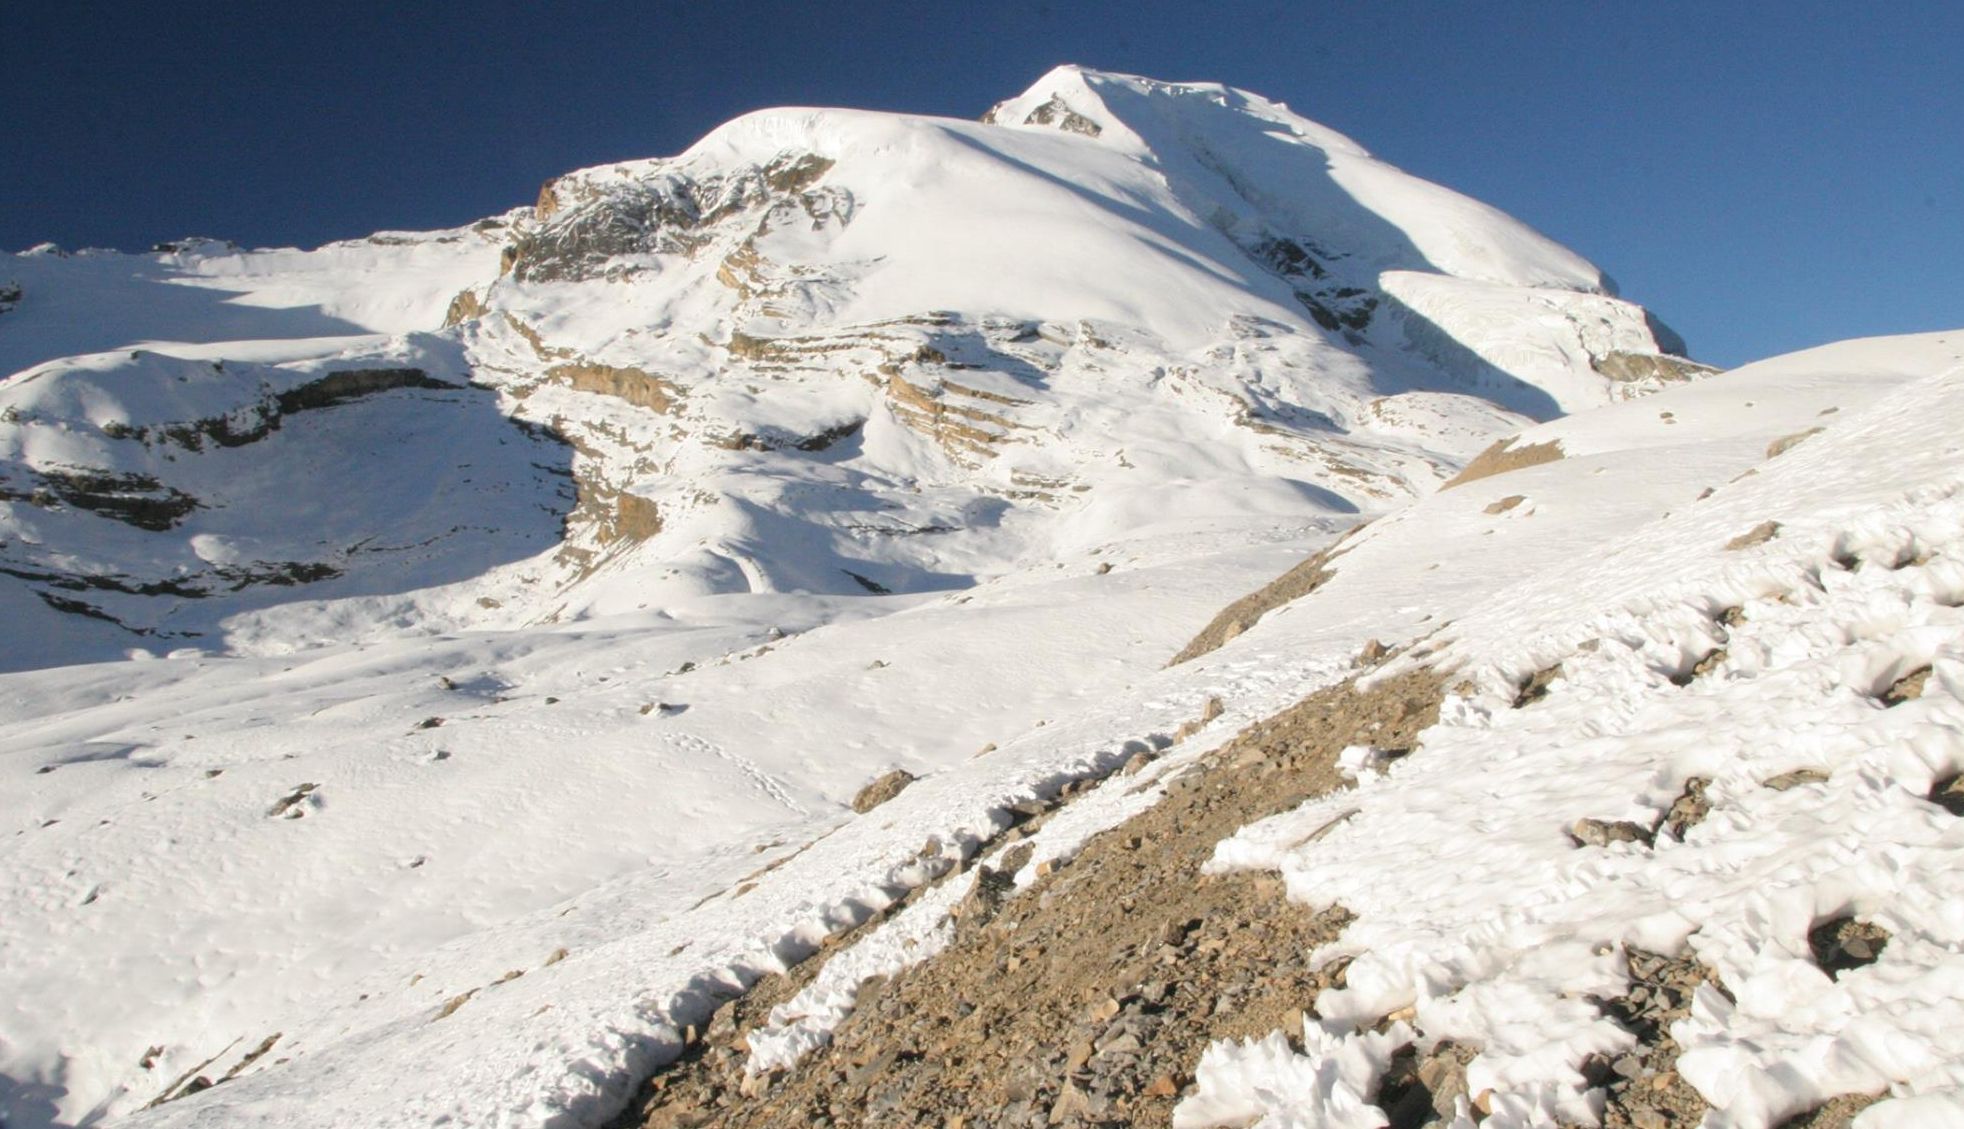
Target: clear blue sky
column 1763, row 176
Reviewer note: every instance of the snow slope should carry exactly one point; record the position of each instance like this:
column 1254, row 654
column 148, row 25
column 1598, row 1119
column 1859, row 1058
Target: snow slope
column 522, row 1062
column 204, row 291
column 507, row 600
column 1660, row 684
column 1529, row 548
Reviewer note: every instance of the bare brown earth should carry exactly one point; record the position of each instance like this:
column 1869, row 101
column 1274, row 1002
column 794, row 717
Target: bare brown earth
column 1503, row 457
column 1787, row 443
column 1087, row 999
column 1244, row 613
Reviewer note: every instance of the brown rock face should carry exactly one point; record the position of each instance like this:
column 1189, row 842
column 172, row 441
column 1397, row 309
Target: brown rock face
column 1639, row 368
column 466, row 306
column 1086, row 999
column 639, row 387
column 635, row 518
column 584, row 232
column 1055, row 112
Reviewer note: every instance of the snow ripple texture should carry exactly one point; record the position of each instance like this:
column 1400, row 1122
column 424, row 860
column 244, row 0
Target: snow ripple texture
column 1478, row 912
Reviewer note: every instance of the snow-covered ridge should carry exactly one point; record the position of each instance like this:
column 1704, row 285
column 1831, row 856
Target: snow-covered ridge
column 606, row 547
column 977, row 343
column 1264, row 154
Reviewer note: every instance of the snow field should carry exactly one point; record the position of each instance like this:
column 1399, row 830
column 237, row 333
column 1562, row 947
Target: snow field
column 1722, row 431
column 1507, row 946
column 475, row 844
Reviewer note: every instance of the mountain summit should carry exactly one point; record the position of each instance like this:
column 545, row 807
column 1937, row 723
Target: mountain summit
column 822, row 351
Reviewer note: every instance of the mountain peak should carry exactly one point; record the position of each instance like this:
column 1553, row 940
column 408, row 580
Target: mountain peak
column 523, row 608
column 1238, row 152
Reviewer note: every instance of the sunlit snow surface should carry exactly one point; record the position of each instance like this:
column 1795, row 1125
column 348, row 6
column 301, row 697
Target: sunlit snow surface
column 1475, row 906
column 346, row 813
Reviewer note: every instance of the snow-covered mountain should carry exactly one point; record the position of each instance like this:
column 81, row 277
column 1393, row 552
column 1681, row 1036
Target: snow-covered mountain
column 442, row 665
column 821, row 352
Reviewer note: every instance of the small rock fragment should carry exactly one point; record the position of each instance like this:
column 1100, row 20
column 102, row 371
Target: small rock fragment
column 1536, row 686
column 1689, row 809
column 1758, row 535
column 1948, row 793
column 288, row 805
column 1602, row 832
column 1795, row 779
column 1840, row 944
column 1908, row 688
column 1706, row 664
column 1373, row 653
column 881, row 790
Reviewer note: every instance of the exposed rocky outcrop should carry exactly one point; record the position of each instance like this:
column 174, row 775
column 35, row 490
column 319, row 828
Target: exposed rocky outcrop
column 635, row 519
column 822, row 440
column 1503, row 457
column 187, row 586
column 1331, row 303
column 937, row 410
column 639, row 387
column 255, row 420
column 1758, row 535
column 1056, row 113
column 136, row 489
column 133, row 499
column 604, row 513
column 1086, row 999
column 352, row 384
column 1244, row 613
column 586, row 232
column 1649, row 368
column 1787, row 443
column 466, row 306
